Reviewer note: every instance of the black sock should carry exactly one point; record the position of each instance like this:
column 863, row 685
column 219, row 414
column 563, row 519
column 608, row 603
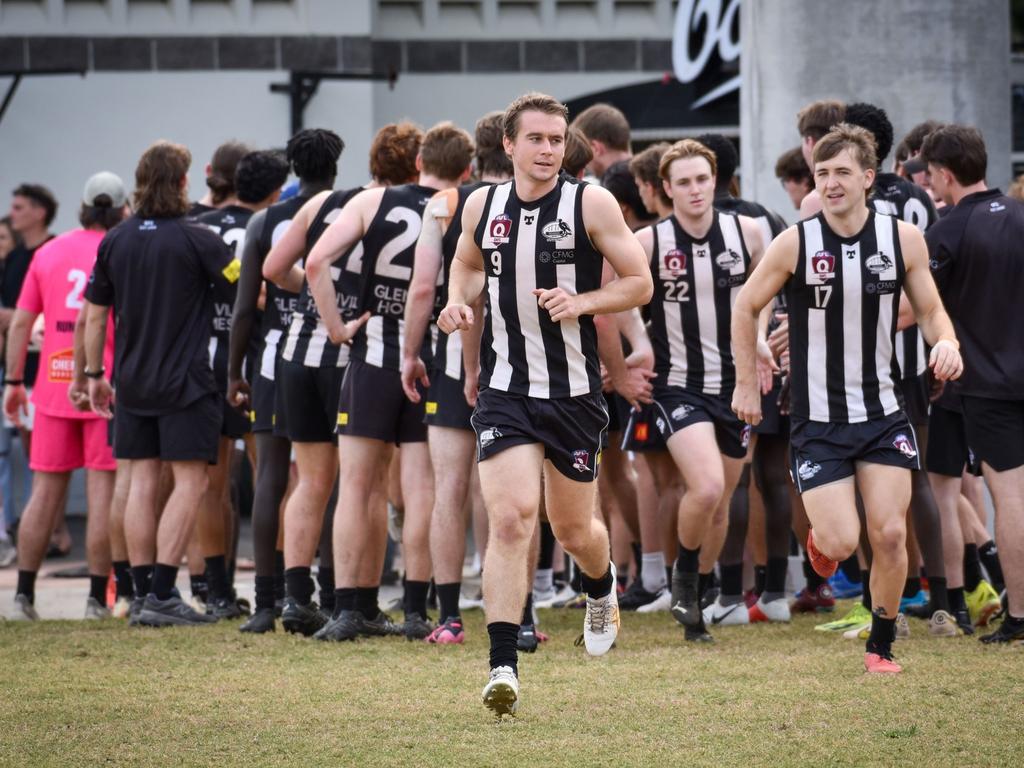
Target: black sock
column 865, row 582
column 528, row 609
column 851, row 568
column 164, row 577
column 599, row 587
column 704, row 581
column 217, row 577
column 688, row 560
column 264, row 592
column 98, row 588
column 577, row 577
column 883, row 632
column 911, row 586
column 504, row 637
column 142, row 575
column 638, row 556
column 990, row 557
column 775, row 576
column 123, row 579
column 957, row 600
column 760, row 573
column 732, row 580
column 448, row 597
column 546, row 554
column 938, row 594
column 972, row 567
column 622, row 576
column 344, row 600
column 668, row 574
column 325, row 579
column 278, row 574
column 199, row 586
column 231, row 576
column 27, row 585
column 298, row 584
column 366, row 601
column 415, row 601
column 813, row 579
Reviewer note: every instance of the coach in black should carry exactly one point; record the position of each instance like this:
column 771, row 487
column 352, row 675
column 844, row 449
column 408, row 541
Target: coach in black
column 978, row 267
column 158, row 271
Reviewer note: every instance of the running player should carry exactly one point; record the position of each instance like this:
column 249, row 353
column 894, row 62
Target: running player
column 373, row 412
column 843, row 271
column 535, row 246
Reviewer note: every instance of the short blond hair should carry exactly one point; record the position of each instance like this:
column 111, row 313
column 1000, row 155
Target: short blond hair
column 859, row 141
column 532, row 102
column 682, row 150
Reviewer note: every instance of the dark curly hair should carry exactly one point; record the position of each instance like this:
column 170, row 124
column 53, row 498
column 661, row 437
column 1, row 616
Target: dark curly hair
column 313, row 154
column 874, row 120
column 259, row 174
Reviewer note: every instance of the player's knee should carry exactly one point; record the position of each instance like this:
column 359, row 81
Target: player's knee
column 837, row 544
column 889, row 539
column 510, row 527
column 707, row 493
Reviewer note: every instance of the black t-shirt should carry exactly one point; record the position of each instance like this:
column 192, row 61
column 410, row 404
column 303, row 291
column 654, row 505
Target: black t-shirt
column 978, row 265
column 15, row 268
column 159, row 275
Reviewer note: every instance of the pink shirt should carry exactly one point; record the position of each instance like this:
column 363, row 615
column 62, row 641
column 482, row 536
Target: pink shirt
column 53, row 287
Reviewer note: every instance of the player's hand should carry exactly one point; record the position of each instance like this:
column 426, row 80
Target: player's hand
column 455, row 317
column 641, row 358
column 78, row 394
column 347, row 331
column 778, row 340
column 239, row 394
column 945, row 361
column 635, row 386
column 935, row 389
column 559, row 304
column 471, row 388
column 606, row 379
column 101, row 397
column 15, row 403
column 413, row 372
column 766, row 367
column 746, row 403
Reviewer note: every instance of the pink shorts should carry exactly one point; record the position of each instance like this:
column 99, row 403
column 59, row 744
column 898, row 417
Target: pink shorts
column 62, row 445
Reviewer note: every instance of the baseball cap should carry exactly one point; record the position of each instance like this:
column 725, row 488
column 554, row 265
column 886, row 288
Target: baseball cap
column 105, row 183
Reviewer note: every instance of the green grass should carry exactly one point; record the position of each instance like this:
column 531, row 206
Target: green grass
column 81, row 694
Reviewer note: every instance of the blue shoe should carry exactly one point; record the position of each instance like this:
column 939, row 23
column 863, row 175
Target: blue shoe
column 919, row 599
column 843, row 588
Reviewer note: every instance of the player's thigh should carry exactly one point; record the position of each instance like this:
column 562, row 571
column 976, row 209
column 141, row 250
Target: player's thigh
column 832, row 510
column 885, row 491
column 511, row 479
column 695, row 452
column 569, row 502
column 451, row 454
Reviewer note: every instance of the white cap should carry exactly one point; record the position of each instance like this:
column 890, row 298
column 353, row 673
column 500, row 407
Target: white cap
column 105, row 183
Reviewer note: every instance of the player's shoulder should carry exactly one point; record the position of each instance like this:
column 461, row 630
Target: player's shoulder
column 787, row 242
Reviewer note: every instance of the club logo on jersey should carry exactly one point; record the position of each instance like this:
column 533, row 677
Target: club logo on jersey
column 528, row 219
column 881, row 287
column 581, row 461
column 147, row 226
column 675, row 263
column 680, row 413
column 557, row 257
column 488, row 436
column 903, row 444
column 500, row 228
column 995, row 206
column 878, row 263
column 808, row 469
column 824, row 265
column 745, row 435
column 728, row 259
column 556, row 230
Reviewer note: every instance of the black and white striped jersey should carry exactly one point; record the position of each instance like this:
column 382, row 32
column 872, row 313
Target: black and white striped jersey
column 448, row 347
column 895, row 196
column 528, row 245
column 843, row 307
column 695, row 286
column 307, row 342
column 230, row 223
column 384, row 269
column 280, row 304
column 769, row 223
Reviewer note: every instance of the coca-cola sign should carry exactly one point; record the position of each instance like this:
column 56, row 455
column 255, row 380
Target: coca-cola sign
column 704, row 28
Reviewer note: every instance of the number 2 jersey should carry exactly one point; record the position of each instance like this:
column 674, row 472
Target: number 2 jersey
column 53, row 287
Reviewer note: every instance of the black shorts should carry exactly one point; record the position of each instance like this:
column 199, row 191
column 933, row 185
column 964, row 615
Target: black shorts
column 679, row 408
column 948, row 452
column 191, row 434
column 773, row 421
column 572, row 429
column 822, row 452
column 234, row 423
column 261, row 409
column 446, row 403
column 306, row 402
column 641, row 434
column 618, row 411
column 373, row 404
column 915, row 399
column 995, row 430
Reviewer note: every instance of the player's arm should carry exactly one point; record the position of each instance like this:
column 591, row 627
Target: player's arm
column 281, row 265
column 340, row 237
column 467, row 279
column 766, row 365
column 931, row 316
column 15, row 396
column 774, row 269
column 100, row 392
column 632, row 286
column 471, row 340
column 78, row 390
column 247, row 297
column 419, row 305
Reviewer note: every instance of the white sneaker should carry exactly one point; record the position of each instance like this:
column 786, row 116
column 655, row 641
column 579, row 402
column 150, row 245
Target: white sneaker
column 564, row 596
column 122, row 606
column 501, row 694
column 23, row 610
column 544, row 598
column 95, row 610
column 661, row 603
column 864, row 632
column 772, row 610
column 470, row 603
column 726, row 615
column 941, row 624
column 8, row 553
column 601, row 624
column 858, row 633
column 197, row 603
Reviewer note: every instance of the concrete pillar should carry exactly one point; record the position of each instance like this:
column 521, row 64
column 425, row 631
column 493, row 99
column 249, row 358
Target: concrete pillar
column 947, row 60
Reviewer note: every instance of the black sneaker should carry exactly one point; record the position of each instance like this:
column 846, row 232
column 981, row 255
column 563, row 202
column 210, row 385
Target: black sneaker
column 636, row 597
column 173, row 612
column 261, row 622
column 380, row 625
column 224, row 608
column 415, row 627
column 698, row 633
column 134, row 610
column 244, row 606
column 685, row 602
column 527, row 641
column 1010, row 631
column 302, row 619
column 963, row 621
column 347, row 625
column 278, row 607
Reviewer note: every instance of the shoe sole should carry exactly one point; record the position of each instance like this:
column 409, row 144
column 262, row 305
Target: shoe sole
column 149, row 619
column 501, row 699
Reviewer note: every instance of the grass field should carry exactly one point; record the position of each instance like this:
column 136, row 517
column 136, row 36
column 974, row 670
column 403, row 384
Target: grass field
column 82, row 694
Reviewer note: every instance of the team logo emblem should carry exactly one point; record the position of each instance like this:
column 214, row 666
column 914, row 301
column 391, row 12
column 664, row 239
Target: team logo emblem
column 745, row 435
column 556, row 230
column 488, row 436
column 728, row 259
column 675, row 262
column 824, row 265
column 808, row 469
column 903, row 444
column 878, row 263
column 501, row 227
column 581, row 461
column 680, row 413
column 660, row 424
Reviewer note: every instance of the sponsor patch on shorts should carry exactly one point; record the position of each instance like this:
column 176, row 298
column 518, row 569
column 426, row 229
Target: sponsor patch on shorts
column 232, row 271
column 342, row 419
column 431, row 408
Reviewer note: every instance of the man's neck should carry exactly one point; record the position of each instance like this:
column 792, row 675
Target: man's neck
column 848, row 224
column 529, row 190
column 696, row 227
column 35, row 237
column 311, row 188
column 664, row 211
column 435, row 182
column 493, row 178
column 959, row 193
